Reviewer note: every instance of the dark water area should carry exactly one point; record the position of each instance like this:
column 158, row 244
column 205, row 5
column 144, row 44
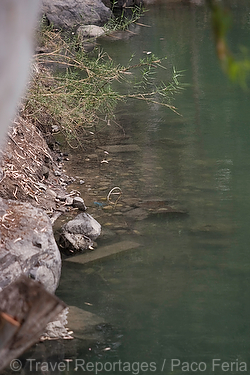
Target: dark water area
column 183, row 296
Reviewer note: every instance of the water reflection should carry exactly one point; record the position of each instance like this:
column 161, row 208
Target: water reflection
column 180, row 296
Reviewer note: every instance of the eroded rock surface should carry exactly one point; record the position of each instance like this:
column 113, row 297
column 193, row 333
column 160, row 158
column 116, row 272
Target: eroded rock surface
column 27, row 245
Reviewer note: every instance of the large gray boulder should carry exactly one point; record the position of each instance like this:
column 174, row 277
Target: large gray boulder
column 68, row 14
column 27, row 245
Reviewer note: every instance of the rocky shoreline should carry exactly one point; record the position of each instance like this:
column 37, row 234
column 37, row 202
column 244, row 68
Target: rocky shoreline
column 33, row 189
column 34, row 185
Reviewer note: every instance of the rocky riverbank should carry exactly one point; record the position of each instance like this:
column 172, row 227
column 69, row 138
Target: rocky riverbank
column 34, row 188
column 33, row 182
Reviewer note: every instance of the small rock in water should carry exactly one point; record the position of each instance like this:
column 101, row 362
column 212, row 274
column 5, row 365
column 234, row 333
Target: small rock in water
column 79, row 233
column 137, row 214
column 90, row 31
column 78, row 202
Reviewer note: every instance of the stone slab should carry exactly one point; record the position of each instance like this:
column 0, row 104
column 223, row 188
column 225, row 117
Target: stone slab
column 83, row 324
column 120, row 148
column 103, row 252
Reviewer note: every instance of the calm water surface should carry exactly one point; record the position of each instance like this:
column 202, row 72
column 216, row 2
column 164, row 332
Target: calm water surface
column 185, row 293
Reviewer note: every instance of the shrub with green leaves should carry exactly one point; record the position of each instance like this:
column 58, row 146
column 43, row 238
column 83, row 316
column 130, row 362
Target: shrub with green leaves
column 74, row 90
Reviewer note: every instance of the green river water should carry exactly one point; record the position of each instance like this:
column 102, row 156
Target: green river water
column 181, row 301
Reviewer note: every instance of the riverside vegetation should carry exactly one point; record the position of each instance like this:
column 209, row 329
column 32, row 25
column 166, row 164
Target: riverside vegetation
column 73, row 92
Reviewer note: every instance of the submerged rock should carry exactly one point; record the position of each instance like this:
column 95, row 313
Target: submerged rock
column 137, row 214
column 57, row 329
column 104, row 252
column 120, row 148
column 84, row 324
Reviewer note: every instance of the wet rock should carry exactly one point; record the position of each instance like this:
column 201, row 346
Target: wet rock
column 108, row 208
column 90, row 31
column 71, row 242
column 85, row 325
column 169, row 210
column 78, row 202
column 154, row 203
column 117, row 213
column 104, row 252
column 67, row 14
column 133, row 202
column 57, row 329
column 84, row 224
column 162, row 206
column 121, row 34
column 137, row 214
column 218, row 229
column 79, row 233
column 27, row 245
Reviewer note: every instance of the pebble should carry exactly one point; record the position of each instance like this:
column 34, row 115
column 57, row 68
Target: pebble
column 102, row 188
column 69, row 201
column 108, row 208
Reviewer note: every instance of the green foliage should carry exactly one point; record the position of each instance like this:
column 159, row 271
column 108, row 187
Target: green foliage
column 236, row 70
column 127, row 17
column 79, row 95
